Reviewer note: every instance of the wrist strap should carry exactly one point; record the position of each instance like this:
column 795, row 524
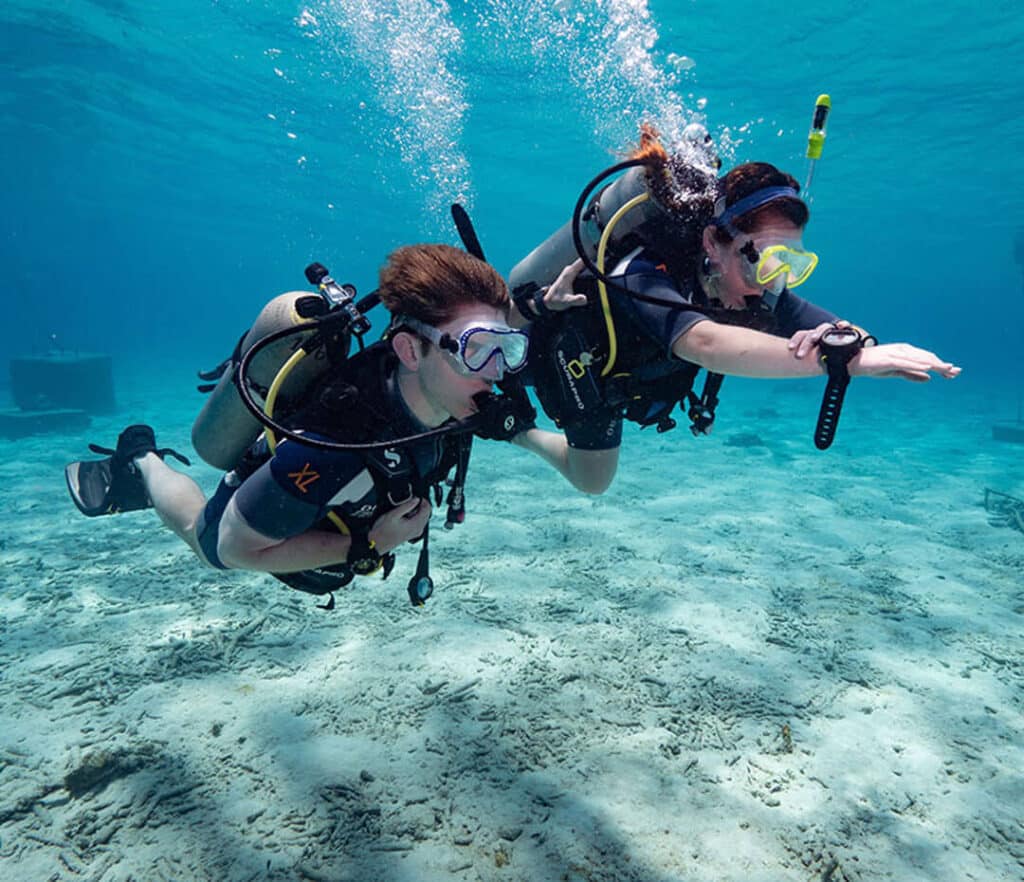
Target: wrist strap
column 828, row 414
column 363, row 556
column 836, row 360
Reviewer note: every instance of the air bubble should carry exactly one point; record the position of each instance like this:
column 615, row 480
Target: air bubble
column 681, row 62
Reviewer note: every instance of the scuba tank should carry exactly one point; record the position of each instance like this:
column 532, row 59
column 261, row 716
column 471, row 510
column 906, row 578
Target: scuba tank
column 542, row 265
column 225, row 427
column 639, row 202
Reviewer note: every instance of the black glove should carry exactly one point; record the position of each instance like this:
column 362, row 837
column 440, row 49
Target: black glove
column 502, row 417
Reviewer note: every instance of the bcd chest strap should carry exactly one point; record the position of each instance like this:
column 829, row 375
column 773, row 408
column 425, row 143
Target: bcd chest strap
column 397, row 481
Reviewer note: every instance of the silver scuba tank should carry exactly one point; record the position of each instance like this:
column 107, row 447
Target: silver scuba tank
column 542, row 265
column 225, row 428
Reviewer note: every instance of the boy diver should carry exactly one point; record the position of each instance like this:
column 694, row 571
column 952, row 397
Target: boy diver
column 315, row 512
column 701, row 272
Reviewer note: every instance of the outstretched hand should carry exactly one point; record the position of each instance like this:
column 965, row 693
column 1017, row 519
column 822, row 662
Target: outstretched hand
column 559, row 295
column 900, row 360
column 887, row 360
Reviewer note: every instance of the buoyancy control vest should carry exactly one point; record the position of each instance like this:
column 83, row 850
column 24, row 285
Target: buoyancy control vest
column 571, row 351
column 351, row 404
column 293, row 365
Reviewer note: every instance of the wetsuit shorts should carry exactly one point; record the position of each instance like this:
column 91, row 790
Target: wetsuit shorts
column 208, row 525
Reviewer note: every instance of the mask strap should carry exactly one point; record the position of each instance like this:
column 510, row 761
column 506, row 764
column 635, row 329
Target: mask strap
column 723, row 218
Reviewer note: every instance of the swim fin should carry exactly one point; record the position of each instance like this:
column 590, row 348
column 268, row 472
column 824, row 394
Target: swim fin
column 114, row 484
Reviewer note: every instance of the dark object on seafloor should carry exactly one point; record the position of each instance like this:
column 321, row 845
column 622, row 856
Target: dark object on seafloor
column 61, row 380
column 22, row 423
column 744, row 439
column 1012, row 432
column 1006, row 510
column 103, row 766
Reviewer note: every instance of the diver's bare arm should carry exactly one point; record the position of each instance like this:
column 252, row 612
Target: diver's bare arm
column 726, row 349
column 742, row 352
column 239, row 546
column 590, row 471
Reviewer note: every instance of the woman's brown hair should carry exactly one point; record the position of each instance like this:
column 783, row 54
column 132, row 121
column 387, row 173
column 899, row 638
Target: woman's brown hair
column 750, row 177
column 685, row 185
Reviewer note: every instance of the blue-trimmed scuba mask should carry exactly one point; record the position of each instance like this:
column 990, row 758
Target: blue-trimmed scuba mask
column 770, row 263
column 476, row 346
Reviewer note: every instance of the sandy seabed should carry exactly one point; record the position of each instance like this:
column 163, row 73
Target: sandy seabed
column 748, row 661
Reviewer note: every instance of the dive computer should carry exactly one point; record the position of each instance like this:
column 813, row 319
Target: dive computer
column 836, row 348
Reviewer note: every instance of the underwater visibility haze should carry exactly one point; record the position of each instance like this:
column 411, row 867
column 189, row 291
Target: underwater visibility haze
column 748, row 660
column 174, row 165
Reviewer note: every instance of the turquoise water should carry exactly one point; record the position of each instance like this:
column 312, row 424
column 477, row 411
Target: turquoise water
column 171, row 167
column 748, row 660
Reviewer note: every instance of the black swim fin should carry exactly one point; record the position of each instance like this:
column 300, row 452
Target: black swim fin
column 114, row 485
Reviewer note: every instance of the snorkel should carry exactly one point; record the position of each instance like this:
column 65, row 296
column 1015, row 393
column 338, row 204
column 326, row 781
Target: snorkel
column 816, row 139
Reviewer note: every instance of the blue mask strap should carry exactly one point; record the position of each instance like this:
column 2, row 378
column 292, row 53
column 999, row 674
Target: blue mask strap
column 749, row 203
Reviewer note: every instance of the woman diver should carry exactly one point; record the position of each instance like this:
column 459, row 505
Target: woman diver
column 701, row 272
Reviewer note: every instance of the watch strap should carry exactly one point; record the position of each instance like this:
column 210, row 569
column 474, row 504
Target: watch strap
column 836, row 360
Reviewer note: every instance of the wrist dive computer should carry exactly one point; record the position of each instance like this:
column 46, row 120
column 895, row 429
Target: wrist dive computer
column 836, row 348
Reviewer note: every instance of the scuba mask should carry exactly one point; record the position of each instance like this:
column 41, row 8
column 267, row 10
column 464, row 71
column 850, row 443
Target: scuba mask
column 773, row 265
column 770, row 264
column 476, row 346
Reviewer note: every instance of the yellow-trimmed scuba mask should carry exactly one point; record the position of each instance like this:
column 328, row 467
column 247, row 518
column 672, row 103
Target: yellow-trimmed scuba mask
column 770, row 263
column 775, row 265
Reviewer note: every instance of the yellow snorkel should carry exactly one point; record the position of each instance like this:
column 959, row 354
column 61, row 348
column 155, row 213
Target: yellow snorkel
column 816, row 139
